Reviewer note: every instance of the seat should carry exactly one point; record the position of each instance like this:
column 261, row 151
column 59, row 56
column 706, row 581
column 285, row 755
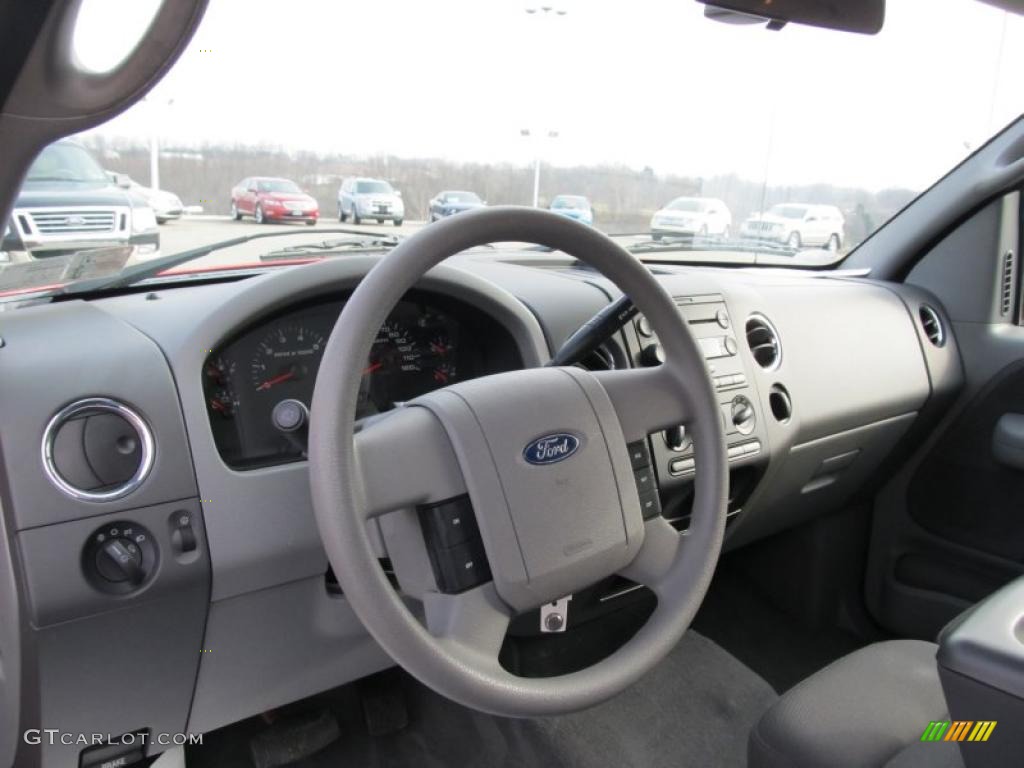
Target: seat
column 867, row 709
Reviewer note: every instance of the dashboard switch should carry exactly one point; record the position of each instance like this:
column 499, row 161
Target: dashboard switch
column 120, row 560
column 652, row 354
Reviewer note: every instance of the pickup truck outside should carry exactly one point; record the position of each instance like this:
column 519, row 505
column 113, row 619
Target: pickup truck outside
column 68, row 204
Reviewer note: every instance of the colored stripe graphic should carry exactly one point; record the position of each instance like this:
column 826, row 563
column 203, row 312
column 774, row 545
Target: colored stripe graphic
column 958, row 730
column 982, row 730
column 935, row 731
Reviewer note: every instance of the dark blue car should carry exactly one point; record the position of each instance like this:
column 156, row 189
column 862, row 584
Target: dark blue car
column 450, row 202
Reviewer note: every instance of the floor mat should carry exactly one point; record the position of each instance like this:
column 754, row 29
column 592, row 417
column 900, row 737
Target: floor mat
column 777, row 646
column 695, row 709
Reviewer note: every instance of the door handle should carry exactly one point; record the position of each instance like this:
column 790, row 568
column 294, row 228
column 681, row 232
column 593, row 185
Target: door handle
column 1008, row 440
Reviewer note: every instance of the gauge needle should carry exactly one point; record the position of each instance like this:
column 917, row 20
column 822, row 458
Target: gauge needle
column 276, row 380
column 371, row 368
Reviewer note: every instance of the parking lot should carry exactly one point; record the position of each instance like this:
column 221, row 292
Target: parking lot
column 197, row 231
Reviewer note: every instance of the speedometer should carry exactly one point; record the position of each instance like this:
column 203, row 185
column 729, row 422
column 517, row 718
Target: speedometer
column 394, row 351
column 288, row 353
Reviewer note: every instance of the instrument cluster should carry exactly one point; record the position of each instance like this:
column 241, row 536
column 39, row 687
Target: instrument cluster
column 426, row 343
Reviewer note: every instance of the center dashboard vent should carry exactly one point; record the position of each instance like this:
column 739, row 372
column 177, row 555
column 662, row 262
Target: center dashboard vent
column 932, row 325
column 763, row 340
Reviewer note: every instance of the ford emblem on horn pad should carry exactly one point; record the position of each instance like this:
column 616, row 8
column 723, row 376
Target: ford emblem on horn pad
column 550, row 449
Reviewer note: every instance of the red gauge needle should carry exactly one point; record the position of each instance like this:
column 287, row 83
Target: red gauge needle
column 372, row 368
column 276, row 380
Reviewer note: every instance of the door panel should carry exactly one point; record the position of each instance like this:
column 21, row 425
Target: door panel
column 948, row 529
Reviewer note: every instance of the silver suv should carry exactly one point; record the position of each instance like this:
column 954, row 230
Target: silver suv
column 361, row 198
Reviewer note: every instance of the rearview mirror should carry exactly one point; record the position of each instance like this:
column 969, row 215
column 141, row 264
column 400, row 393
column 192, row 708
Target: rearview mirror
column 122, row 180
column 862, row 16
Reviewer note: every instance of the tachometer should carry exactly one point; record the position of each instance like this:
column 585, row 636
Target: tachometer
column 290, row 352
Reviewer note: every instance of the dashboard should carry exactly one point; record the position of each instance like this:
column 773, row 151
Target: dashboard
column 428, row 341
column 818, row 378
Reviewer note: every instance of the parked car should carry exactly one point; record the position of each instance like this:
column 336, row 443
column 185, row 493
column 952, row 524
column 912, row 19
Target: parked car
column 574, row 207
column 450, row 202
column 271, row 199
column 361, row 198
column 798, row 225
column 67, row 204
column 692, row 216
column 166, row 205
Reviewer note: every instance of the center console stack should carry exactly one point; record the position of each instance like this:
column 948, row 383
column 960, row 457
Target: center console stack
column 672, row 452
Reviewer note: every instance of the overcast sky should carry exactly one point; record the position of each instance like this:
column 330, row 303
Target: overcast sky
column 640, row 82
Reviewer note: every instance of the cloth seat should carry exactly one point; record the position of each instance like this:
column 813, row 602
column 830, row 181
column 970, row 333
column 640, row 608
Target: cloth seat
column 867, row 709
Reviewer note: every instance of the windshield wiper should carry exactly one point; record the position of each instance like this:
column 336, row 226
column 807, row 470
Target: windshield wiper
column 327, row 247
column 139, row 272
column 698, row 243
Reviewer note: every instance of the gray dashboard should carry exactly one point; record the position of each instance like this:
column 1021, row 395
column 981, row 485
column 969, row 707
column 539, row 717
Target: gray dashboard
column 236, row 615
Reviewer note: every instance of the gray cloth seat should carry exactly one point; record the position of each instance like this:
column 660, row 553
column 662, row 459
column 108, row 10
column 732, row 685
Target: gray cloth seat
column 866, row 709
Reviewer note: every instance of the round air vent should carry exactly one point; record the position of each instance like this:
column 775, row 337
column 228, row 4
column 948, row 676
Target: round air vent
column 97, row 449
column 932, row 325
column 763, row 340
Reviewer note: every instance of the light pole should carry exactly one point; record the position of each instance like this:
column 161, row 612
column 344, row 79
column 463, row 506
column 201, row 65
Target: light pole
column 545, row 10
column 527, row 133
column 154, row 141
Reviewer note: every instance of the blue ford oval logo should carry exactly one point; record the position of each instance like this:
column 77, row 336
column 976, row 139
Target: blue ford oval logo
column 551, row 448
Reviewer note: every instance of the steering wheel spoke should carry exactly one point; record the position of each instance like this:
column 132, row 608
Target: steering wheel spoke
column 646, row 400
column 405, row 458
column 657, row 556
column 475, row 620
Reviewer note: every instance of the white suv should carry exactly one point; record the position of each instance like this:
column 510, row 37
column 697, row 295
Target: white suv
column 798, row 225
column 692, row 216
column 369, row 199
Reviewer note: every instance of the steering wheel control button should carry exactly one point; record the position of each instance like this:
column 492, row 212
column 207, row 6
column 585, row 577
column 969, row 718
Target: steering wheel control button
column 454, row 546
column 645, row 482
column 461, row 567
column 650, row 504
column 119, row 557
column 639, row 456
column 449, row 523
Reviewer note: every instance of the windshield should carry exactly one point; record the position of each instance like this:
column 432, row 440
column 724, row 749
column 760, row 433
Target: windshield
column 779, row 123
column 684, row 204
column 373, row 187
column 277, row 185
column 66, row 162
column 570, row 202
column 788, row 211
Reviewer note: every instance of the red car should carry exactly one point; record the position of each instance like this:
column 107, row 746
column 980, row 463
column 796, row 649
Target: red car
column 270, row 199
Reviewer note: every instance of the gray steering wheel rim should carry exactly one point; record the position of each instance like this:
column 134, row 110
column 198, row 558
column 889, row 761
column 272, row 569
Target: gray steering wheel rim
column 454, row 671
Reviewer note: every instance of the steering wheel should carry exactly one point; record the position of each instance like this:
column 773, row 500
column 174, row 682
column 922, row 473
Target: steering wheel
column 548, row 529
